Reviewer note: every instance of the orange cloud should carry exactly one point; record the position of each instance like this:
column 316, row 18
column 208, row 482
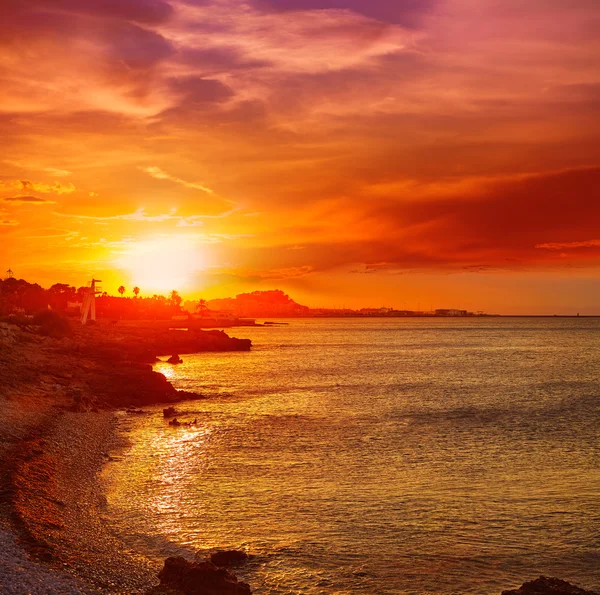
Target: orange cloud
column 159, row 174
column 25, row 199
column 26, row 185
column 563, row 245
column 381, row 137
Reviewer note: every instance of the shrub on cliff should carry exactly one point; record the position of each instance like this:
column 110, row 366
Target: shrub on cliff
column 52, row 324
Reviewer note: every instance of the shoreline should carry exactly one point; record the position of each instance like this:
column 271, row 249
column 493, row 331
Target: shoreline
column 58, row 506
column 65, row 518
column 54, row 441
column 60, row 397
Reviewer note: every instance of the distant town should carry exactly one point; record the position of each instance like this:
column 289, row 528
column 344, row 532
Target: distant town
column 276, row 304
column 19, row 297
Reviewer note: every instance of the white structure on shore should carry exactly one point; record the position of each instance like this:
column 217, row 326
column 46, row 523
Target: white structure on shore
column 89, row 303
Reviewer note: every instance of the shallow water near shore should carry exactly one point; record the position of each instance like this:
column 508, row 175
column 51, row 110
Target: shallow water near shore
column 383, row 456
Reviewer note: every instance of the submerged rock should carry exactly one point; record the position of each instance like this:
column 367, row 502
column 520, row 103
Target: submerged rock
column 198, row 578
column 228, row 557
column 174, row 359
column 548, row 586
column 169, row 412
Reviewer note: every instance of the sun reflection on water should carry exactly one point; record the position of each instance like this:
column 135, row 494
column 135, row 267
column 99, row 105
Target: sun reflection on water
column 412, row 461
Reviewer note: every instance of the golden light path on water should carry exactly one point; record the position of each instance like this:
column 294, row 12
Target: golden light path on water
column 378, row 457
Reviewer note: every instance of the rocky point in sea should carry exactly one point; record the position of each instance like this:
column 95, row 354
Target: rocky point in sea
column 180, row 577
column 548, row 586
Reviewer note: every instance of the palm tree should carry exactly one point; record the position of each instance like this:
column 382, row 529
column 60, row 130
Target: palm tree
column 202, row 307
column 121, row 290
column 175, row 299
column 136, row 291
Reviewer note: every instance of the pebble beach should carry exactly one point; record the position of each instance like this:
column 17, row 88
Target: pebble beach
column 61, row 520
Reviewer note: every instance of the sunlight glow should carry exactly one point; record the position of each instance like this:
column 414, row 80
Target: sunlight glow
column 163, row 264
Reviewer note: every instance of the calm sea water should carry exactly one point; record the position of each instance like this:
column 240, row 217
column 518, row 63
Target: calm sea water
column 379, row 457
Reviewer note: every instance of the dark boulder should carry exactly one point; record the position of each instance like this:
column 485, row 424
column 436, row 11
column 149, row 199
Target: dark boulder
column 175, row 422
column 133, row 386
column 548, row 586
column 82, row 403
column 228, row 557
column 174, row 359
column 199, row 578
column 169, row 412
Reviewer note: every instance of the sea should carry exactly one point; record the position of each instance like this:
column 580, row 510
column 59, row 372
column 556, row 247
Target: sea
column 439, row 456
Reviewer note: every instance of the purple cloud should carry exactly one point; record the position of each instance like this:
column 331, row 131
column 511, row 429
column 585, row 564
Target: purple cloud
column 218, row 59
column 195, row 89
column 403, row 12
column 142, row 11
column 135, row 46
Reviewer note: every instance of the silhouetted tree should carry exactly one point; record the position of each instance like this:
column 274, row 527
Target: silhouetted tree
column 61, row 289
column 136, row 291
column 59, row 294
column 175, row 299
column 201, row 307
column 19, row 296
column 121, row 290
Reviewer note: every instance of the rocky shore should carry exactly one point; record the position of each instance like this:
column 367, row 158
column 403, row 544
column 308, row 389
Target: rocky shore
column 58, row 398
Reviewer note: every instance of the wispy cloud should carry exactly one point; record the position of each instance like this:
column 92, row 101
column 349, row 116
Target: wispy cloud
column 69, row 235
column 277, row 274
column 142, row 217
column 44, row 188
column 565, row 245
column 139, row 215
column 159, row 174
column 57, row 172
column 29, row 200
column 53, row 171
column 6, row 221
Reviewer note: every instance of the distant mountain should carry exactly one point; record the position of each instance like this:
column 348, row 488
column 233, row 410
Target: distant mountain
column 258, row 304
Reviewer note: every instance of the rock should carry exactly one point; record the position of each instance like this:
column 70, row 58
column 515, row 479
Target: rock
column 228, row 557
column 169, row 412
column 548, row 586
column 130, row 385
column 82, row 403
column 199, row 578
column 175, row 422
column 175, row 359
column 184, row 394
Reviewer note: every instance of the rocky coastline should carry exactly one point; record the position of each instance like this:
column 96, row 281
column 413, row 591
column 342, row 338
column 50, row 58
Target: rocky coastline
column 59, row 397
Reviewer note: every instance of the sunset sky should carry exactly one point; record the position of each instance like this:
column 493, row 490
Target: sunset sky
column 441, row 153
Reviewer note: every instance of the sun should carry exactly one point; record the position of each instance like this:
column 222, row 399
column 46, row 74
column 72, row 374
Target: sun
column 162, row 264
